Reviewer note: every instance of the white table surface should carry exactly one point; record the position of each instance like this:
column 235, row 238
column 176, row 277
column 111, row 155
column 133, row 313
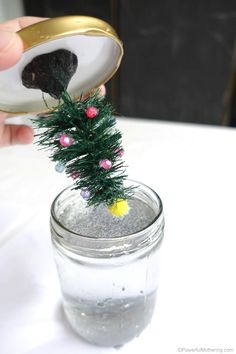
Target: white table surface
column 193, row 168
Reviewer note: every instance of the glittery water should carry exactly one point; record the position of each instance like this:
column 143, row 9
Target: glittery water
column 98, row 222
column 108, row 301
column 109, row 322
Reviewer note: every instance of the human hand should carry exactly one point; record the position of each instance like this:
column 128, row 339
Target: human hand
column 11, row 50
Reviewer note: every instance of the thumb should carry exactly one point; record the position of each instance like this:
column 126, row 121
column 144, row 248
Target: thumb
column 11, row 49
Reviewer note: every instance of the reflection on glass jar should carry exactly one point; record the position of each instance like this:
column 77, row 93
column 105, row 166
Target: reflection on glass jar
column 108, row 267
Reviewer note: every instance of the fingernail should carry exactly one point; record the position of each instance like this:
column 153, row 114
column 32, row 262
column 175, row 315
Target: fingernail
column 5, row 39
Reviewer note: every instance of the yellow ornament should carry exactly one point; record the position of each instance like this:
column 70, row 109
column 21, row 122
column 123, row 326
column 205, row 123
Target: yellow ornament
column 119, row 208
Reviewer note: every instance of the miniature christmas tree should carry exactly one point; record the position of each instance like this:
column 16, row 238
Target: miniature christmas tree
column 81, row 135
column 86, row 145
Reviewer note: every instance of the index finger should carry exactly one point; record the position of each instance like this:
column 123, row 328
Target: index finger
column 11, row 45
column 18, row 23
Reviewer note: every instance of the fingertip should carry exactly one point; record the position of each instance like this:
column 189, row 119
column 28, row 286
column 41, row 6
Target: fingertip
column 11, row 49
column 102, row 90
column 24, row 135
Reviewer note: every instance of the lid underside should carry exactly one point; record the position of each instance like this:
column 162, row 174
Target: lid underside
column 98, row 51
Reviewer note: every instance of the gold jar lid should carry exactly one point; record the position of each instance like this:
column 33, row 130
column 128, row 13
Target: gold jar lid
column 94, row 42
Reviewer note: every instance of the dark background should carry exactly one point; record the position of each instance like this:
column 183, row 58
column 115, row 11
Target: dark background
column 178, row 63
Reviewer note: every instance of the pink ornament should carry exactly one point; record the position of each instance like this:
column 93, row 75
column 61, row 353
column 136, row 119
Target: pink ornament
column 74, row 174
column 105, row 164
column 66, row 140
column 119, row 151
column 91, row 112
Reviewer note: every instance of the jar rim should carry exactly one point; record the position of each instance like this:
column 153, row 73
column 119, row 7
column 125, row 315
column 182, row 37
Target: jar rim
column 112, row 238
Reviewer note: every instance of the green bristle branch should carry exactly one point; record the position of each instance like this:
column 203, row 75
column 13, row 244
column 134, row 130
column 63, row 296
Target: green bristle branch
column 92, row 140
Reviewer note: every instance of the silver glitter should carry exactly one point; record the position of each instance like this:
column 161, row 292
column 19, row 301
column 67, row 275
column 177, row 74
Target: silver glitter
column 98, row 222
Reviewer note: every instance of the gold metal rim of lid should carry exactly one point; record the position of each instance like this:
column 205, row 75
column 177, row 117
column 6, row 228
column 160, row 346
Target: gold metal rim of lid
column 63, row 26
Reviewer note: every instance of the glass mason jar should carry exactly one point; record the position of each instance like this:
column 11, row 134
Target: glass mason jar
column 108, row 284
